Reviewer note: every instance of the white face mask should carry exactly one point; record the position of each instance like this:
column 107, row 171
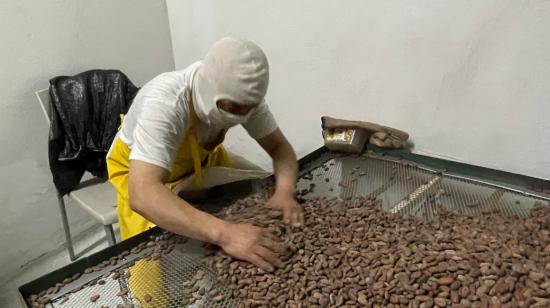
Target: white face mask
column 229, row 119
column 234, row 70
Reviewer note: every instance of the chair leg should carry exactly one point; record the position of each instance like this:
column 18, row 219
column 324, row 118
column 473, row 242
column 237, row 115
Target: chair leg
column 110, row 234
column 65, row 222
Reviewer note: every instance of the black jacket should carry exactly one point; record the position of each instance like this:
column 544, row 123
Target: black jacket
column 86, row 112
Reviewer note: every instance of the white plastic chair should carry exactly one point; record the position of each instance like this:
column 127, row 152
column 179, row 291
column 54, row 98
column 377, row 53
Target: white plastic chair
column 95, row 196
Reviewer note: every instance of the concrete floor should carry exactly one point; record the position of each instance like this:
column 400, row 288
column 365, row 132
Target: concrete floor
column 86, row 244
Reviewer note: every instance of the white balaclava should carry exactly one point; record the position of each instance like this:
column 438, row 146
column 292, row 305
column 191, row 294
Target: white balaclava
column 235, row 70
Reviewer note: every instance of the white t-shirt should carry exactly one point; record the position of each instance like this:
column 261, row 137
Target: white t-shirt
column 158, row 119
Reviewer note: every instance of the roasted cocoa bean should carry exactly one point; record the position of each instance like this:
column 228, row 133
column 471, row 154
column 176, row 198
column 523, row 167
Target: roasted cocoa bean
column 147, row 298
column 122, row 293
column 94, row 298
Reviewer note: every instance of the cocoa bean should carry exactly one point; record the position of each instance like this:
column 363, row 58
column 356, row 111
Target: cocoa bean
column 423, row 298
column 440, row 302
column 464, row 292
column 94, row 298
column 198, row 275
column 218, row 298
column 428, row 304
column 447, row 280
column 44, row 300
column 122, row 293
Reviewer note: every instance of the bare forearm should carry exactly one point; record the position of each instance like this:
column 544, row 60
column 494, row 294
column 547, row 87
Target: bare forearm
column 159, row 205
column 285, row 166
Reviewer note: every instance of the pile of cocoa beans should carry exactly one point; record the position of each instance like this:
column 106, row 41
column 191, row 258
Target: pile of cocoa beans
column 362, row 256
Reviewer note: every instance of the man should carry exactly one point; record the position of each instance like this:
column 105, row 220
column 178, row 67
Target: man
column 175, row 127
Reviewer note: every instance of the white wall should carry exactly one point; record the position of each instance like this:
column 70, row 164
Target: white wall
column 468, row 79
column 42, row 39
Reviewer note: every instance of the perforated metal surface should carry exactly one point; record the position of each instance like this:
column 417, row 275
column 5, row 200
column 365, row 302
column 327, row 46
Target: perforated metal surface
column 410, row 190
column 161, row 279
column 402, row 187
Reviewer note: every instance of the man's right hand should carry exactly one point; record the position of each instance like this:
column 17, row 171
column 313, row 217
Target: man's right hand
column 247, row 242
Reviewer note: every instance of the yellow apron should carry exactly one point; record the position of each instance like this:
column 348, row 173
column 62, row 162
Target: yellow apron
column 190, row 157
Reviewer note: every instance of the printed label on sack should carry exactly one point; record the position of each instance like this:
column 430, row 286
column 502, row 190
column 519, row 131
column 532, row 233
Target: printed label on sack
column 340, row 135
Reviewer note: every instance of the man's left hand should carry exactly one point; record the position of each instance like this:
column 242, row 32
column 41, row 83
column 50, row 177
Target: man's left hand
column 292, row 210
